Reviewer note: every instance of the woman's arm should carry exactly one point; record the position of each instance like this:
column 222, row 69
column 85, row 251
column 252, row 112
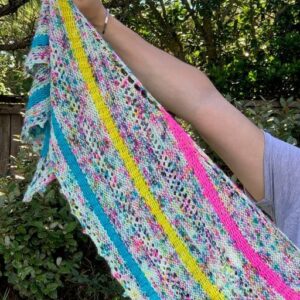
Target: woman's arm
column 187, row 92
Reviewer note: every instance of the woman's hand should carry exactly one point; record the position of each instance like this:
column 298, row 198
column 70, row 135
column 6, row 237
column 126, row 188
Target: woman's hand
column 93, row 10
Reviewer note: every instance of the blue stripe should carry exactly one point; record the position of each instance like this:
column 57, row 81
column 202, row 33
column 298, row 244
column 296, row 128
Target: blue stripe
column 144, row 284
column 40, row 40
column 45, row 148
column 38, row 95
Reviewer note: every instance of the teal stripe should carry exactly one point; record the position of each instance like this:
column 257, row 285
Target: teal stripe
column 38, row 96
column 40, row 40
column 45, row 148
column 94, row 205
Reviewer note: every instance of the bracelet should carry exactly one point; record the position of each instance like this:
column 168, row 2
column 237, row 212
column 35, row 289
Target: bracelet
column 106, row 20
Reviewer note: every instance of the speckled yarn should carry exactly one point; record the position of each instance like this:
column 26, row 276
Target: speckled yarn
column 168, row 221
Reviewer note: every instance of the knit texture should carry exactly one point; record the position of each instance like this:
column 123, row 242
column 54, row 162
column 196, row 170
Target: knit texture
column 168, row 221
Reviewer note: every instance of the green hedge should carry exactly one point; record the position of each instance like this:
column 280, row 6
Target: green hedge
column 43, row 252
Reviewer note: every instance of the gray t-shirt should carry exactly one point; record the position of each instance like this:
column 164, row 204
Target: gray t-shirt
column 282, row 186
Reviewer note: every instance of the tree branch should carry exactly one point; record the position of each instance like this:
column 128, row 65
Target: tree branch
column 11, row 7
column 281, row 11
column 173, row 40
column 16, row 45
column 192, row 13
column 163, row 9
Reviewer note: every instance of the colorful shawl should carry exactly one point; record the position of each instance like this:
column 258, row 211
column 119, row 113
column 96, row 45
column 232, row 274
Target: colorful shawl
column 168, row 221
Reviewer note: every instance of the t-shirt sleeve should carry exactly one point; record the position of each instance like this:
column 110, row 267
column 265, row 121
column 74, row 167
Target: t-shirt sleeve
column 282, row 186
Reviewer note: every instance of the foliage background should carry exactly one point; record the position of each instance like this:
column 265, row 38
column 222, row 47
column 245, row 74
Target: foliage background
column 249, row 49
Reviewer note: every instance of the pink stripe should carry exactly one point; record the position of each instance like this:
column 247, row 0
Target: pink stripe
column 185, row 144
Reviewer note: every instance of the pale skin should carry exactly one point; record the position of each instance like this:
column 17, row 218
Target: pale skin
column 188, row 93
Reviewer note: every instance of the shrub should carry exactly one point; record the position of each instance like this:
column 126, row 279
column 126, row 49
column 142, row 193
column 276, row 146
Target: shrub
column 45, row 253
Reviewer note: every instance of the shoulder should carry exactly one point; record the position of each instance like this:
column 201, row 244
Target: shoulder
column 276, row 148
column 281, row 184
column 281, row 168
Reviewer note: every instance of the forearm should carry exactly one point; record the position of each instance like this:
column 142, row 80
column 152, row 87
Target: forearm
column 178, row 86
column 187, row 92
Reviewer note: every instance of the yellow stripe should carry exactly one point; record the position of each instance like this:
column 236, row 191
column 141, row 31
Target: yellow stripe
column 139, row 181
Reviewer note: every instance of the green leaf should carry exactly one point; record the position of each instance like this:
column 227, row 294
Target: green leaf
column 52, row 287
column 70, row 227
column 58, row 260
column 38, row 224
column 7, row 241
column 282, row 102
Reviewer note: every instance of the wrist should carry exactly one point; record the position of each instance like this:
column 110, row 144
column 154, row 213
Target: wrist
column 99, row 21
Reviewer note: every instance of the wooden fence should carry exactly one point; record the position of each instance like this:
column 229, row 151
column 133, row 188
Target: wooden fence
column 11, row 121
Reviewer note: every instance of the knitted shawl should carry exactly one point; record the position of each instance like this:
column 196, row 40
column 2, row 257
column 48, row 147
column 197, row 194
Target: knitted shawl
column 168, row 221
